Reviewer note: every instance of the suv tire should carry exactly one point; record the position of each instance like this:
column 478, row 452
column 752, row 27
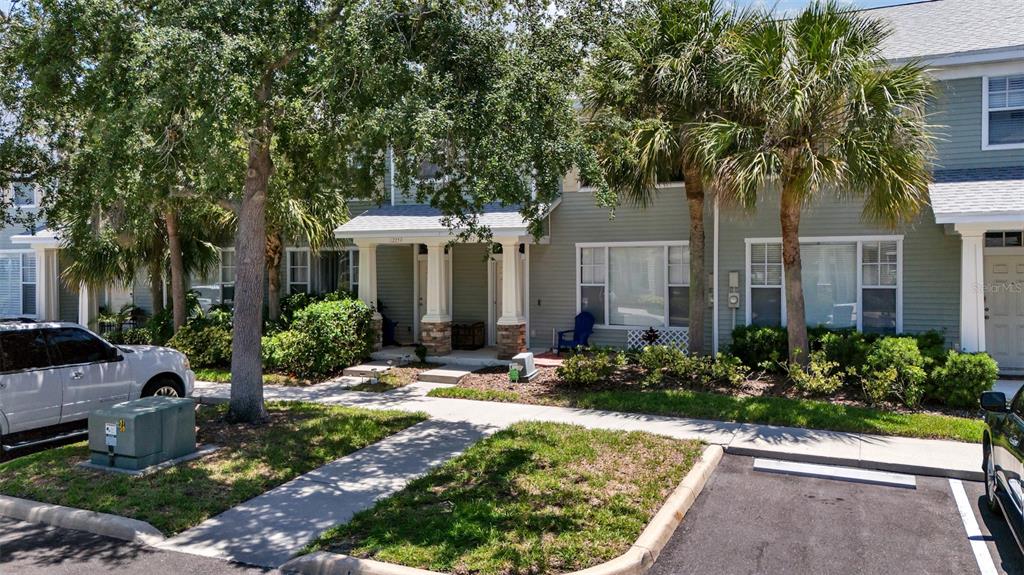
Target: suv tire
column 164, row 386
column 991, row 484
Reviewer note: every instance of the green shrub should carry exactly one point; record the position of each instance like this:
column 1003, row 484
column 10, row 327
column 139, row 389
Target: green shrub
column 292, row 303
column 820, row 377
column 962, row 378
column 759, row 346
column 136, row 336
column 207, row 344
column 703, row 371
column 933, row 347
column 587, row 368
column 846, row 348
column 324, row 337
column 894, row 370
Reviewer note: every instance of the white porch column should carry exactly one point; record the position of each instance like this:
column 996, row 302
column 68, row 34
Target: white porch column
column 972, row 287
column 512, row 323
column 47, row 308
column 88, row 306
column 368, row 287
column 436, row 324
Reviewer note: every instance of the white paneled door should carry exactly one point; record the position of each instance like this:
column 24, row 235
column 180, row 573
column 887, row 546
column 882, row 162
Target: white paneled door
column 1004, row 310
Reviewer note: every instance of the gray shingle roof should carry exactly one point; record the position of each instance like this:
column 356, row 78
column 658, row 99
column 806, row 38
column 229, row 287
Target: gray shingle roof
column 943, row 27
column 958, row 195
column 425, row 220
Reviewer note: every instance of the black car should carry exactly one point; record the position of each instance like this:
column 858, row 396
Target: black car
column 1003, row 459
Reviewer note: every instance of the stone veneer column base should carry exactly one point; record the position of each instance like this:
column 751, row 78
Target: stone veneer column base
column 511, row 340
column 377, row 325
column 436, row 336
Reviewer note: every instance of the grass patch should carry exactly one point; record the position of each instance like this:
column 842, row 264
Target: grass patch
column 533, row 498
column 475, row 394
column 298, row 438
column 783, row 411
column 222, row 375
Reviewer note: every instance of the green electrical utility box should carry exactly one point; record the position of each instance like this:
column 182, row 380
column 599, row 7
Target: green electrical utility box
column 137, row 434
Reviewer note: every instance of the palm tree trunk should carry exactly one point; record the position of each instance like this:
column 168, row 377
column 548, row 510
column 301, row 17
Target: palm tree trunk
column 275, row 246
column 796, row 321
column 695, row 200
column 156, row 275
column 177, row 268
column 246, row 404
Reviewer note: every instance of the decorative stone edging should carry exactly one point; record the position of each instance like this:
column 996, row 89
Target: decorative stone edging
column 80, row 519
column 637, row 560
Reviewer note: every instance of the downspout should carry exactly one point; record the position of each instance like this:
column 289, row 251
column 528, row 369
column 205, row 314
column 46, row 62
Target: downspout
column 714, row 274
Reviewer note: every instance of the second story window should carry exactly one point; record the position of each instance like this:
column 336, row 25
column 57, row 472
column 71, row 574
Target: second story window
column 1004, row 112
column 24, row 196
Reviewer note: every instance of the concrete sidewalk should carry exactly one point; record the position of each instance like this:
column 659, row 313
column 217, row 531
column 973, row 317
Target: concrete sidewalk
column 269, row 529
column 900, row 454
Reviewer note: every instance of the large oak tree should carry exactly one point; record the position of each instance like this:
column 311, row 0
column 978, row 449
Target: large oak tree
column 480, row 88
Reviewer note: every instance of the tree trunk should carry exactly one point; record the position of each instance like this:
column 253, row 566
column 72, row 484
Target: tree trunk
column 177, row 268
column 695, row 200
column 156, row 275
column 250, row 252
column 796, row 321
column 275, row 247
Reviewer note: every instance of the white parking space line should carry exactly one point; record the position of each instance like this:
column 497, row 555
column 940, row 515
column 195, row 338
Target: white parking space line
column 837, row 473
column 974, row 535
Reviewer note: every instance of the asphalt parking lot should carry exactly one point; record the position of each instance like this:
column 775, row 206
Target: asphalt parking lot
column 33, row 549
column 751, row 522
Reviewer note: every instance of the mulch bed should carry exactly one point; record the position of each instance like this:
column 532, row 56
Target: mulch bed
column 546, row 388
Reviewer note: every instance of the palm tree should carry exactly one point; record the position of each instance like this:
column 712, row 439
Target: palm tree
column 815, row 108
column 652, row 79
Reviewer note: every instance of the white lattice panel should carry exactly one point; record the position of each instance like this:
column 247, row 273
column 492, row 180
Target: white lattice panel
column 676, row 337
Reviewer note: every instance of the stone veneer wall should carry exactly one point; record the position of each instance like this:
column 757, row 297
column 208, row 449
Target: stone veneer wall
column 511, row 340
column 436, row 337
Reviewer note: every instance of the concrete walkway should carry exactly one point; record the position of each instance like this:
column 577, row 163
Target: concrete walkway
column 899, row 454
column 271, row 528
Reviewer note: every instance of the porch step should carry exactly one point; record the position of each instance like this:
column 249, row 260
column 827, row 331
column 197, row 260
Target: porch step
column 370, row 369
column 450, row 374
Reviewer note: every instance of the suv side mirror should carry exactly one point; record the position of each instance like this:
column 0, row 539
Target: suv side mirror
column 994, row 401
column 114, row 354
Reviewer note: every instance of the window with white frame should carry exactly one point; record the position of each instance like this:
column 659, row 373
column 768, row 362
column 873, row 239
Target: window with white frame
column 227, row 267
column 638, row 285
column 298, row 271
column 339, row 270
column 1004, row 113
column 846, row 284
column 17, row 284
column 23, row 195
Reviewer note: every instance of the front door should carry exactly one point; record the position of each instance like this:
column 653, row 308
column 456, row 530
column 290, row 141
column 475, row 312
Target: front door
column 1004, row 310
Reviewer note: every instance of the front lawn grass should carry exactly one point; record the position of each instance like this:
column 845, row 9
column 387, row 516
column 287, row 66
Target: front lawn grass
column 782, row 411
column 222, row 375
column 298, row 438
column 533, row 498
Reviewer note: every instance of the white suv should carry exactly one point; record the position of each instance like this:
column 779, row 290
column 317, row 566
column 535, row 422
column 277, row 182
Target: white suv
column 56, row 373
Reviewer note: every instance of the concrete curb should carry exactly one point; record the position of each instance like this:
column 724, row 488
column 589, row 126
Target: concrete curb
column 81, row 520
column 636, row 561
column 909, row 469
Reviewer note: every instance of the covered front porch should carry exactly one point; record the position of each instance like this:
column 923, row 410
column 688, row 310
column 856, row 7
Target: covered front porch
column 454, row 295
column 986, row 209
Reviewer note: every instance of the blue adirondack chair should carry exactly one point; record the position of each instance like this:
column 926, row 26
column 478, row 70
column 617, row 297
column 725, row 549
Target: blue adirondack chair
column 584, row 328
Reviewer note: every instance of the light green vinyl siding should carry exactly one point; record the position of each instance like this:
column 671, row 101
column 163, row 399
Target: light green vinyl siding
column 958, row 116
column 469, row 283
column 395, row 287
column 577, row 219
column 931, row 259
